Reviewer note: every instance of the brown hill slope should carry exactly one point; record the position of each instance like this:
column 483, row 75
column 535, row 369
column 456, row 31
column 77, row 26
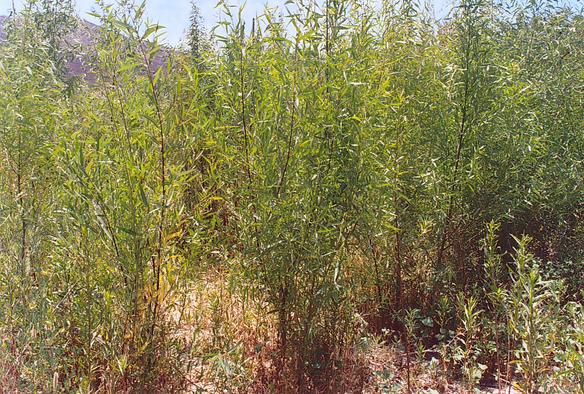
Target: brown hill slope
column 81, row 42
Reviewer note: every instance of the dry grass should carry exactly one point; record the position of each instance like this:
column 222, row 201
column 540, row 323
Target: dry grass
column 234, row 350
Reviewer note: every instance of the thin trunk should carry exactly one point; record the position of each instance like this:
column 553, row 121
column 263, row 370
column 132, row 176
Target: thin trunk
column 407, row 347
column 23, row 224
column 288, row 153
column 398, row 235
column 463, row 130
column 375, row 252
column 157, row 263
column 283, row 329
column 398, row 272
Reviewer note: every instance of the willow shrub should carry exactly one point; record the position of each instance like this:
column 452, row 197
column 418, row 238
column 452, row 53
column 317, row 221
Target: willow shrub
column 369, row 156
column 30, row 99
column 122, row 221
column 98, row 295
column 299, row 140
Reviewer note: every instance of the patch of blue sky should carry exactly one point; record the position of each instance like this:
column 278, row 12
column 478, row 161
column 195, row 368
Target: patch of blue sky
column 174, row 14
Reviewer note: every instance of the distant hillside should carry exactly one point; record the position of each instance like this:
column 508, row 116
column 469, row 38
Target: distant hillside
column 2, row 35
column 83, row 41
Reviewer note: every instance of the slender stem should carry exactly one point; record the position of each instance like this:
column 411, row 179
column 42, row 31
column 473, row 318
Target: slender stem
column 463, row 130
column 243, row 117
column 157, row 262
column 288, row 153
